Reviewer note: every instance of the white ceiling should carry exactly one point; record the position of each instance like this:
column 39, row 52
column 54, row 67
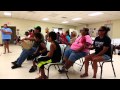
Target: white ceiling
column 56, row 16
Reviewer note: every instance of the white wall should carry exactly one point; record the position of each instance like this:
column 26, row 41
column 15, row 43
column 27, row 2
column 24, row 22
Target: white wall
column 115, row 31
column 24, row 25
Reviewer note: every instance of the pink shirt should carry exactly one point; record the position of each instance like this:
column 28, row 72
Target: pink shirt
column 80, row 41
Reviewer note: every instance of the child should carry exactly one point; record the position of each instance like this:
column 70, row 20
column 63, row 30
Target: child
column 53, row 56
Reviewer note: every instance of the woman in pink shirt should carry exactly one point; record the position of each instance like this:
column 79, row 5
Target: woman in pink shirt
column 77, row 50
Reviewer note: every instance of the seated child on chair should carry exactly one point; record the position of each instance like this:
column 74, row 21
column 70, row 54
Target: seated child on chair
column 54, row 55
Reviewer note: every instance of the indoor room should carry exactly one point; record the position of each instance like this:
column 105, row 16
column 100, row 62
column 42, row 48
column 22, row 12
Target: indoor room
column 20, row 31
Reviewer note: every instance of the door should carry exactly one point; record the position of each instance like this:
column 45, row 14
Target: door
column 13, row 28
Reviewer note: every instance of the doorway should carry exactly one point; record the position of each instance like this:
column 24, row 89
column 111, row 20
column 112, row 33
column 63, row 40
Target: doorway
column 13, row 28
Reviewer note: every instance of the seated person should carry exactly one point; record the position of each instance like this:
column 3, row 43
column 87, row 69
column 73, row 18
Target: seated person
column 72, row 40
column 25, row 53
column 41, row 50
column 102, row 46
column 65, row 38
column 77, row 50
column 53, row 56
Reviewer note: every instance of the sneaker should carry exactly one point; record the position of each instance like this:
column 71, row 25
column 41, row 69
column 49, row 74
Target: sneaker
column 15, row 66
column 63, row 70
column 14, row 62
column 33, row 69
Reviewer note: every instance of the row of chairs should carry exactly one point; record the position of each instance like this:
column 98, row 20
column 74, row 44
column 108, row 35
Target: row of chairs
column 63, row 47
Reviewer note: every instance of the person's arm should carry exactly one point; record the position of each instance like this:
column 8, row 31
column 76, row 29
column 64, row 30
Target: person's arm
column 52, row 49
column 7, row 32
column 31, row 39
column 44, row 46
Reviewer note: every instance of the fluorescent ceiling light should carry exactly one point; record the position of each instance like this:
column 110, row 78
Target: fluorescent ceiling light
column 95, row 14
column 45, row 19
column 75, row 19
column 7, row 13
column 65, row 22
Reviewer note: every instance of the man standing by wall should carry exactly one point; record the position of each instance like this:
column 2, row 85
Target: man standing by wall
column 6, row 37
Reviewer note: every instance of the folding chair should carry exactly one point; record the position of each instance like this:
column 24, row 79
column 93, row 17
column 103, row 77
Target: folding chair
column 63, row 47
column 110, row 60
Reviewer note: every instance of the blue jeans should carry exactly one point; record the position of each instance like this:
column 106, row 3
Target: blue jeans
column 73, row 56
column 24, row 55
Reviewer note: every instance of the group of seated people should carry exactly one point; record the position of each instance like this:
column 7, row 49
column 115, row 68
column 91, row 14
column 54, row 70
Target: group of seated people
column 76, row 49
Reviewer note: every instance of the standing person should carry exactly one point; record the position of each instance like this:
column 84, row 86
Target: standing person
column 6, row 37
column 102, row 46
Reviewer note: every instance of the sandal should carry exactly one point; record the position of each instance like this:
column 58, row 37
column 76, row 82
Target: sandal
column 40, row 77
column 84, row 75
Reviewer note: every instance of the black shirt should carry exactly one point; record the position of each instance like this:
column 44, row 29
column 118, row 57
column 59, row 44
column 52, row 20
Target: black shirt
column 99, row 43
column 57, row 53
column 37, row 43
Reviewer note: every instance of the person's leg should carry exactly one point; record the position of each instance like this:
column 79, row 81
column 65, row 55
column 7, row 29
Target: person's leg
column 86, row 62
column 34, row 67
column 42, row 71
column 41, row 62
column 95, row 66
column 73, row 57
column 23, row 56
column 4, row 43
column 66, row 55
column 7, row 46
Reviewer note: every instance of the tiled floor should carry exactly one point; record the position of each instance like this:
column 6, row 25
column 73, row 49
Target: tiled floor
column 22, row 73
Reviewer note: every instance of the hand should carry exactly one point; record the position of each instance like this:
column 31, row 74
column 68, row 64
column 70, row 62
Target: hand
column 90, row 47
column 3, row 31
column 40, row 51
column 34, row 53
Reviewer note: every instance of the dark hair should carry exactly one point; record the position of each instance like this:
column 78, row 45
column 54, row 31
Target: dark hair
column 38, row 28
column 53, row 35
column 86, row 30
column 5, row 24
column 107, row 29
column 38, row 35
column 31, row 30
column 26, row 33
column 68, row 33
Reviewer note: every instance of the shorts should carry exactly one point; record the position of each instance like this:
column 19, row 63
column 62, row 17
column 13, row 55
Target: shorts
column 43, row 61
column 73, row 56
column 6, row 40
column 105, row 57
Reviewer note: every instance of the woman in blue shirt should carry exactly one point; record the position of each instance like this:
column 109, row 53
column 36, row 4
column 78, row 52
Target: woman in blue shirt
column 6, row 37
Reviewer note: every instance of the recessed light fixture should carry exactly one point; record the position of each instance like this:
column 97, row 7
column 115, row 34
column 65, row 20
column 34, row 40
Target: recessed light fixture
column 75, row 19
column 95, row 14
column 65, row 22
column 7, row 13
column 45, row 19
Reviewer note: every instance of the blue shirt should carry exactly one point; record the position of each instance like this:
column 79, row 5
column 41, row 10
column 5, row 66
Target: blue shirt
column 6, row 36
column 68, row 38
